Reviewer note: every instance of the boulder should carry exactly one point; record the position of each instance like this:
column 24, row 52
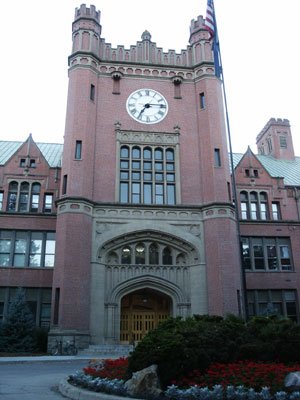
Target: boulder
column 144, row 383
column 292, row 381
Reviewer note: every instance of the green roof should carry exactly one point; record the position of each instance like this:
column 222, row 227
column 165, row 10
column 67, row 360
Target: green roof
column 51, row 151
column 287, row 169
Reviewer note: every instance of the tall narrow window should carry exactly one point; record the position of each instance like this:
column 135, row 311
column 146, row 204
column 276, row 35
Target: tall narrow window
column 1, row 200
column 263, row 206
column 48, row 200
column 126, row 255
column 253, row 205
column 202, row 100
column 140, row 253
column 283, row 142
column 12, row 196
column 167, row 256
column 276, row 211
column 217, row 156
column 35, row 197
column 24, row 196
column 64, row 186
column 153, row 254
column 92, row 92
column 244, row 205
column 78, row 149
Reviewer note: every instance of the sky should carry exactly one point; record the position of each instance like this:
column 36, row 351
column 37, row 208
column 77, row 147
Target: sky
column 259, row 49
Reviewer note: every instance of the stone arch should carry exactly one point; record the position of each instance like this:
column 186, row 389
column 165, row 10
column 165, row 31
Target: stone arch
column 180, row 305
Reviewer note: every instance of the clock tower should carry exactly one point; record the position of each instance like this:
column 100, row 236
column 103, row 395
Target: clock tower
column 146, row 226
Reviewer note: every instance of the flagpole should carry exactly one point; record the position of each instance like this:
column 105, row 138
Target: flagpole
column 220, row 74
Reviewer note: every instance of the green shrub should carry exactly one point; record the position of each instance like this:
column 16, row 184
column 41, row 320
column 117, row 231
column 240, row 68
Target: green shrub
column 179, row 346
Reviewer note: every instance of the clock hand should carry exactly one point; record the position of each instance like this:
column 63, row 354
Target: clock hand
column 158, row 105
column 141, row 112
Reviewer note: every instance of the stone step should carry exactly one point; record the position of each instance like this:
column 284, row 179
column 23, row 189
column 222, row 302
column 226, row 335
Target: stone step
column 108, row 349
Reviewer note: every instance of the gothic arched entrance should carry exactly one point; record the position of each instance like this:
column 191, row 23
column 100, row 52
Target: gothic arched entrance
column 141, row 311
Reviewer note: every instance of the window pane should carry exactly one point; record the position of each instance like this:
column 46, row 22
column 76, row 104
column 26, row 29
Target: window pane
column 253, row 211
column 158, row 166
column 136, row 175
column 147, row 153
column 244, row 210
column 124, row 152
column 124, row 192
column 23, row 202
column 124, row 164
column 258, row 257
column 4, row 260
column 35, row 249
column 158, row 154
column 246, row 254
column 263, row 211
column 35, row 203
column 170, row 167
column 126, row 255
column 171, row 194
column 170, row 177
column 147, row 193
column 147, row 176
column 124, row 175
column 147, row 165
column 285, row 257
column 136, row 165
column 170, row 155
column 159, row 177
column 12, row 202
column 272, row 257
column 136, row 152
column 36, row 188
column 153, row 254
column 48, row 203
column 140, row 253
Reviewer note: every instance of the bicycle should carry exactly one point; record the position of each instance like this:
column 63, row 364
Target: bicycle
column 69, row 348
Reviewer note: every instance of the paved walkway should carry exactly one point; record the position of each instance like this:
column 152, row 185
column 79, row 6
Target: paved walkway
column 57, row 358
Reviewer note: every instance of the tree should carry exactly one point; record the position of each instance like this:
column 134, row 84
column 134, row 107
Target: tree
column 17, row 332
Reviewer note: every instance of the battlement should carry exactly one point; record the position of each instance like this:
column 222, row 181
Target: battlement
column 87, row 12
column 198, row 30
column 270, row 123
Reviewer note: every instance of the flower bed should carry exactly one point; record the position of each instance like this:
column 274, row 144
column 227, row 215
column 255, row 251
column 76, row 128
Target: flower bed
column 234, row 381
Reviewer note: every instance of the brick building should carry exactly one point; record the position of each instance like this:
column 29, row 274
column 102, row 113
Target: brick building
column 132, row 219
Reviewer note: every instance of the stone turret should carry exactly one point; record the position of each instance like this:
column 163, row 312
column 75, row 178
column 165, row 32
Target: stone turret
column 86, row 30
column 275, row 139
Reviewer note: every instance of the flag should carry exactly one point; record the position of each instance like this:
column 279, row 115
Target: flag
column 211, row 26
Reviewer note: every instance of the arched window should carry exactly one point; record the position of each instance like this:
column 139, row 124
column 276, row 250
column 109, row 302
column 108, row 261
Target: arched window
column 263, row 205
column 244, row 205
column 126, row 255
column 140, row 253
column 167, row 256
column 24, row 196
column 12, row 196
column 153, row 254
column 253, row 205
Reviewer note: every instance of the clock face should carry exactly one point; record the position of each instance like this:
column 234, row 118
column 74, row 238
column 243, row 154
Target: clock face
column 147, row 106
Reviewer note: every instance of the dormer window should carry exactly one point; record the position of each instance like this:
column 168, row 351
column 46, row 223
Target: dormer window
column 23, row 162
column 32, row 163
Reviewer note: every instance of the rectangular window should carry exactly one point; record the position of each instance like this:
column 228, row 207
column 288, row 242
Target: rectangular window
column 27, row 248
column 217, row 157
column 276, row 211
column 78, row 149
column 23, row 162
column 147, row 174
column 202, row 101
column 48, row 200
column 267, row 254
column 1, row 200
column 283, row 142
column 273, row 302
column 92, row 92
column 32, row 163
column 64, row 186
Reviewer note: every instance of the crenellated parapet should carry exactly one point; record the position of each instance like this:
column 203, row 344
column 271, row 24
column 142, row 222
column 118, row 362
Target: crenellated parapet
column 87, row 38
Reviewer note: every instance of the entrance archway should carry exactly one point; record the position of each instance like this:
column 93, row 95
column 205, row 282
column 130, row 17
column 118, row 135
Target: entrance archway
column 141, row 311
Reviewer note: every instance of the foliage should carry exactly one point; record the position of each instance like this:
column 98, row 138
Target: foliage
column 17, row 331
column 250, row 374
column 110, row 386
column 108, row 368
column 179, row 346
